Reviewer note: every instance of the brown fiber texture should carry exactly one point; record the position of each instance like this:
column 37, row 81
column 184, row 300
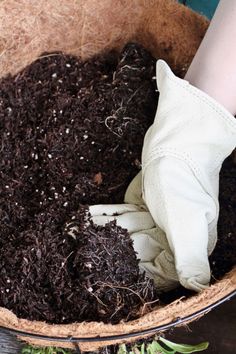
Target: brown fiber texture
column 160, row 316
column 86, row 27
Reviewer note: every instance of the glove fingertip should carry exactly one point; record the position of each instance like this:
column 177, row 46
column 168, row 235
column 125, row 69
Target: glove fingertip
column 196, row 283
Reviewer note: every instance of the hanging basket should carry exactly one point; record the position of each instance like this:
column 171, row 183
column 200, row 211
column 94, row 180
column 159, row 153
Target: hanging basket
column 83, row 28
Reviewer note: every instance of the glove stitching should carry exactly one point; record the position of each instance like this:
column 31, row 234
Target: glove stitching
column 157, row 152
column 160, row 152
column 218, row 158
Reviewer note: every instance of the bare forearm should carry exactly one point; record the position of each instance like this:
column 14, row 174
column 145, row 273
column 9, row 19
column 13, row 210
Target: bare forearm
column 213, row 69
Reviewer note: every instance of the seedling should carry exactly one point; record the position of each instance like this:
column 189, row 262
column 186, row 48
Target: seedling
column 158, row 346
column 163, row 346
column 48, row 350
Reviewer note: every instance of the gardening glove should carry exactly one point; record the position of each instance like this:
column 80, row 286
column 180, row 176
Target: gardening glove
column 182, row 156
column 178, row 187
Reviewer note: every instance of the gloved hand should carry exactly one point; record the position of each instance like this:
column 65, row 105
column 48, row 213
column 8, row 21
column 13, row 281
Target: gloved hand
column 149, row 241
column 182, row 155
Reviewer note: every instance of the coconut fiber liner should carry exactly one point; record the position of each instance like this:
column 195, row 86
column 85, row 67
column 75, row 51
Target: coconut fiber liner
column 84, row 28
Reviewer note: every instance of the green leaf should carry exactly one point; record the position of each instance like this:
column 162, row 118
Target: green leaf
column 143, row 348
column 63, row 351
column 156, row 347
column 47, row 350
column 184, row 348
column 122, row 349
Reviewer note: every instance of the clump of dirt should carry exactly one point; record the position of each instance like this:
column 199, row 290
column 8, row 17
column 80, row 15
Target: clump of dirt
column 71, row 134
column 107, row 267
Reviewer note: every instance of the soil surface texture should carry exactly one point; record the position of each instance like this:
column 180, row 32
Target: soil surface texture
column 71, row 134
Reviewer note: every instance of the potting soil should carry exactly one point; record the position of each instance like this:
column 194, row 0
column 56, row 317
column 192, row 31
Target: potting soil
column 71, row 134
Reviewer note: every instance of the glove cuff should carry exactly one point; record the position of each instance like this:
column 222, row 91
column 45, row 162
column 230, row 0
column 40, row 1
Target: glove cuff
column 191, row 126
column 163, row 72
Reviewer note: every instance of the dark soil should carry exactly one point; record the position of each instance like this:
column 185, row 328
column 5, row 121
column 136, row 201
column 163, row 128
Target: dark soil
column 224, row 256
column 71, row 134
column 107, row 267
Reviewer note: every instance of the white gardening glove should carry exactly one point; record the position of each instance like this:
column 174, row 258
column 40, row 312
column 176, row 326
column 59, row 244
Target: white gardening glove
column 182, row 155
